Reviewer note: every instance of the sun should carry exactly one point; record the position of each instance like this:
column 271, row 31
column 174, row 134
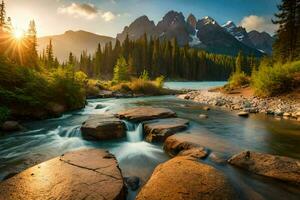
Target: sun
column 18, row 33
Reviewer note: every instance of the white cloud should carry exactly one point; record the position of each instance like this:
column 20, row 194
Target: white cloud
column 108, row 16
column 89, row 11
column 253, row 22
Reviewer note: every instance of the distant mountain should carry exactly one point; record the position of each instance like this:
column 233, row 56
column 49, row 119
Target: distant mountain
column 262, row 41
column 137, row 28
column 239, row 33
column 205, row 33
column 73, row 41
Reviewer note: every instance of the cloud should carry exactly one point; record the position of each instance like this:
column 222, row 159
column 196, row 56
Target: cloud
column 108, row 16
column 89, row 11
column 253, row 22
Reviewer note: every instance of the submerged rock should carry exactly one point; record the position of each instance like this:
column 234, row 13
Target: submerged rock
column 144, row 113
column 103, row 127
column 99, row 106
column 84, row 174
column 132, row 182
column 278, row 167
column 11, row 126
column 203, row 116
column 186, row 178
column 184, row 145
column 159, row 130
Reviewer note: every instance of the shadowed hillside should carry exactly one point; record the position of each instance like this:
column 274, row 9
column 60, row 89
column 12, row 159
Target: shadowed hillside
column 73, row 41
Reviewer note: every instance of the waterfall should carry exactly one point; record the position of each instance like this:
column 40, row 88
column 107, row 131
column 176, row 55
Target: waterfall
column 135, row 134
column 70, row 132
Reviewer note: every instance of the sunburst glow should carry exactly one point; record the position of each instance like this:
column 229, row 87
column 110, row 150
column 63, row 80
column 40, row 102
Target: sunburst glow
column 18, row 33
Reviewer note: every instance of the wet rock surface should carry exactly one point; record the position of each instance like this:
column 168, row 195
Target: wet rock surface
column 184, row 144
column 145, row 113
column 159, row 130
column 103, row 127
column 83, row 174
column 185, row 178
column 11, row 126
column 277, row 167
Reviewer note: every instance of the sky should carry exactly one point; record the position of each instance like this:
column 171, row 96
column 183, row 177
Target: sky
column 109, row 17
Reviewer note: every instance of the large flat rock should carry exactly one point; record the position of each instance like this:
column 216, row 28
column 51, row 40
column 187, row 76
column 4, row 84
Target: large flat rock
column 103, row 127
column 278, row 167
column 184, row 144
column 159, row 130
column 85, row 174
column 145, row 113
column 184, row 178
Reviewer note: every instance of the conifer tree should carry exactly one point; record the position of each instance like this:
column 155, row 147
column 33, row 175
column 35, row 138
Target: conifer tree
column 238, row 63
column 32, row 45
column 286, row 45
column 121, row 71
column 49, row 55
column 2, row 15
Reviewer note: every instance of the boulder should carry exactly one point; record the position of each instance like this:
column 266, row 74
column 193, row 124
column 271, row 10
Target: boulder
column 55, row 109
column 186, row 178
column 243, row 114
column 158, row 130
column 103, row 127
column 105, row 94
column 99, row 106
column 184, row 145
column 206, row 108
column 144, row 113
column 11, row 126
column 277, row 167
column 83, row 174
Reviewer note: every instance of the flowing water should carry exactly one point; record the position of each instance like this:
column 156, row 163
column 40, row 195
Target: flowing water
column 223, row 132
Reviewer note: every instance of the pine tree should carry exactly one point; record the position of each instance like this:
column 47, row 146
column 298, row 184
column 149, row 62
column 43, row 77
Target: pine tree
column 285, row 46
column 49, row 55
column 2, row 15
column 71, row 61
column 121, row 71
column 32, row 45
column 238, row 63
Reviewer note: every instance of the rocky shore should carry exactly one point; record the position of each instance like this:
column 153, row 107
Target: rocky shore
column 281, row 108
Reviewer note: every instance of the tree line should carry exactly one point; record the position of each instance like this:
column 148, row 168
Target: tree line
column 158, row 58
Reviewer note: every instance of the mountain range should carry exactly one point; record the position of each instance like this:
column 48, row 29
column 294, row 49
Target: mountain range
column 205, row 33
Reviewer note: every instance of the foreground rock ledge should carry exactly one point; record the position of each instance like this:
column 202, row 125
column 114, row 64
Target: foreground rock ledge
column 145, row 113
column 159, row 130
column 278, row 167
column 103, row 127
column 184, row 145
column 185, row 178
column 85, row 174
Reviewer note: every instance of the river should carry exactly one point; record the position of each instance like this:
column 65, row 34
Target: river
column 223, row 132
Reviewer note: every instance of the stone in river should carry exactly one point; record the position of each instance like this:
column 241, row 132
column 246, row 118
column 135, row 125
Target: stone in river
column 184, row 145
column 158, row 130
column 132, row 182
column 11, row 126
column 144, row 113
column 84, row 174
column 99, row 106
column 184, row 178
column 103, row 127
column 203, row 116
column 243, row 114
column 277, row 167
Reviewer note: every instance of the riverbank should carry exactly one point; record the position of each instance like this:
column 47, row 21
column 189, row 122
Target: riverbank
column 243, row 99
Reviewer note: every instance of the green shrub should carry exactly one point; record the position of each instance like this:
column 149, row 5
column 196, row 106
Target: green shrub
column 140, row 86
column 276, row 79
column 159, row 81
column 237, row 80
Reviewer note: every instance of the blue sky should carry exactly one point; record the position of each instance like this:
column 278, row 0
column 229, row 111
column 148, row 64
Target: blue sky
column 108, row 17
